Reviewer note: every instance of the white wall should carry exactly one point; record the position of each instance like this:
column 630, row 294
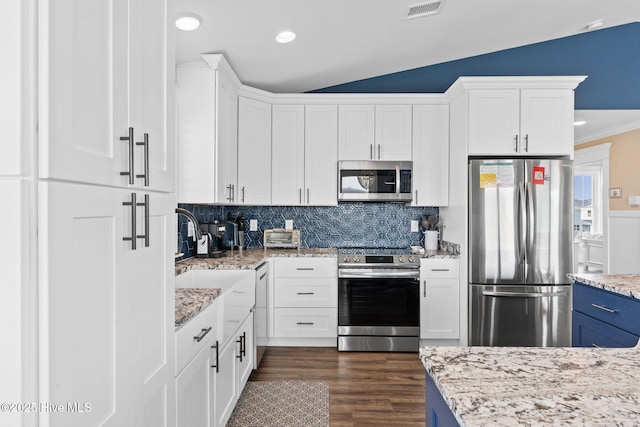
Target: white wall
column 624, row 242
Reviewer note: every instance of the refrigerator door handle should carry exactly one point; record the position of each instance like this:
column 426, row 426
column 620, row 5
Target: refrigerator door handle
column 522, row 223
column 531, row 226
column 524, row 294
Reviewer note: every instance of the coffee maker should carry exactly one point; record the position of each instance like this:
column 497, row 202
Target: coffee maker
column 233, row 237
column 210, row 246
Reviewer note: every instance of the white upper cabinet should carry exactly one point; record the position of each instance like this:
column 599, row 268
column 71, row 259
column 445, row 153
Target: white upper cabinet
column 356, row 129
column 430, row 155
column 520, row 122
column 380, row 132
column 305, row 155
column 287, row 163
column 321, row 155
column 254, row 152
column 393, row 132
column 105, row 68
column 207, row 132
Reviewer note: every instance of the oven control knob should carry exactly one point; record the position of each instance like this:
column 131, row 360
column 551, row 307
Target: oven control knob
column 400, row 258
column 346, row 258
column 412, row 259
column 356, row 258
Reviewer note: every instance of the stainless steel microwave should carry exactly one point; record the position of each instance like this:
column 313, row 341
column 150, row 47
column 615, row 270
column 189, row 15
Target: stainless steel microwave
column 375, row 181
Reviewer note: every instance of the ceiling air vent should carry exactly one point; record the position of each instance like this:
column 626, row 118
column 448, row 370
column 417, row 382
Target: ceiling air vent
column 424, row 9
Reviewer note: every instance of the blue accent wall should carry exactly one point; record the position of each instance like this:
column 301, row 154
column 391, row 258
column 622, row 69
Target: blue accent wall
column 609, row 57
column 364, row 225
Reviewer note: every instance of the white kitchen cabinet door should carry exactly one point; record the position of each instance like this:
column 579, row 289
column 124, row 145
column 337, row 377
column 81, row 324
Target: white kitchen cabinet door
column 106, row 305
column 439, row 299
column 393, row 132
column 356, row 132
column 226, row 381
column 245, row 363
column 254, row 152
column 494, row 122
column 152, row 91
column 226, row 157
column 546, row 121
column 288, row 155
column 151, row 280
column 207, row 135
column 321, row 155
column 85, row 304
column 430, row 155
column 105, row 67
column 194, row 392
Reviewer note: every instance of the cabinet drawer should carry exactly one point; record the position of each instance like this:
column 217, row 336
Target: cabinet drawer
column 617, row 310
column 440, row 268
column 306, row 323
column 311, row 292
column 589, row 332
column 187, row 346
column 306, row 267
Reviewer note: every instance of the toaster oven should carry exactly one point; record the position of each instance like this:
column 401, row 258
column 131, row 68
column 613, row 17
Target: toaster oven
column 282, row 238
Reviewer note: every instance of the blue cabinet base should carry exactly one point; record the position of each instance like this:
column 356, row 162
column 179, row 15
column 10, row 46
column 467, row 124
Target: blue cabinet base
column 438, row 412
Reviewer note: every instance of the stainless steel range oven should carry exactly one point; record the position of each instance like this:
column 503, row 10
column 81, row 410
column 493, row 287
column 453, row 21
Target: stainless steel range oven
column 378, row 300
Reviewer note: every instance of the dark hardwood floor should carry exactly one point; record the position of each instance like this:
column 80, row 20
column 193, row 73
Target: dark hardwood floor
column 365, row 389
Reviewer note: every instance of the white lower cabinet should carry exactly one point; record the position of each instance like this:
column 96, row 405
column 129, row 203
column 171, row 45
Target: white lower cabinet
column 305, row 298
column 439, row 298
column 212, row 372
column 194, row 391
column 234, row 365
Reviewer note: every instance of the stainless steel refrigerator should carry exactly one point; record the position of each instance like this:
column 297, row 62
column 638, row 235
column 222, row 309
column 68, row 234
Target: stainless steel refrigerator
column 520, row 251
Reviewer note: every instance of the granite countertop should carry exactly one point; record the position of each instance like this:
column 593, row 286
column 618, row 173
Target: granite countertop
column 249, row 259
column 517, row 386
column 191, row 301
column 623, row 284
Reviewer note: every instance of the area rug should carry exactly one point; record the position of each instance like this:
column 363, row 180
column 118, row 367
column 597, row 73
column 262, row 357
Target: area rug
column 282, row 404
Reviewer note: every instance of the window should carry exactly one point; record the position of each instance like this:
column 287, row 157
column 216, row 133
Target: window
column 587, row 195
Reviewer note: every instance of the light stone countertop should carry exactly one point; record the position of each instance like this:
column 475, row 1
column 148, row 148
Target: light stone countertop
column 191, row 301
column 525, row 386
column 249, row 259
column 623, row 284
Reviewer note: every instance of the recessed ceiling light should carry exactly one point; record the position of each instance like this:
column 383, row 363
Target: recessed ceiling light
column 188, row 21
column 594, row 25
column 579, row 122
column 285, row 36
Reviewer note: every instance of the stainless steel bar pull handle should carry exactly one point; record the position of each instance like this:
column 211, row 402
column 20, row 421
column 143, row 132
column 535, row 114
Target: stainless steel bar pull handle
column 416, row 197
column 217, row 365
column 439, row 269
column 130, row 139
column 424, row 289
column 242, row 189
column 145, row 236
column 300, row 195
column 516, row 150
column 202, row 334
column 307, row 196
column 371, row 151
column 133, row 205
column 608, row 310
column 304, row 323
column 230, row 196
column 304, row 268
column 262, row 277
column 526, row 143
column 305, row 293
column 523, row 294
column 145, row 144
column 379, row 151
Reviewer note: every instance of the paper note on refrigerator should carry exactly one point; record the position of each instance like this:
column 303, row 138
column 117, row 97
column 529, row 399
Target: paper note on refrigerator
column 488, row 176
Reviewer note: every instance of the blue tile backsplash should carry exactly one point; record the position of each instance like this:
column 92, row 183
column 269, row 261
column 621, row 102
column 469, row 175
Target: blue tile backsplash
column 346, row 225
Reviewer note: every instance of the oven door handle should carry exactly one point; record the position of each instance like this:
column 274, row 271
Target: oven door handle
column 378, row 274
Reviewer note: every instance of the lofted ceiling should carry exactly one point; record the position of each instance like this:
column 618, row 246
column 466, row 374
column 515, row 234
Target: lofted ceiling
column 340, row 41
